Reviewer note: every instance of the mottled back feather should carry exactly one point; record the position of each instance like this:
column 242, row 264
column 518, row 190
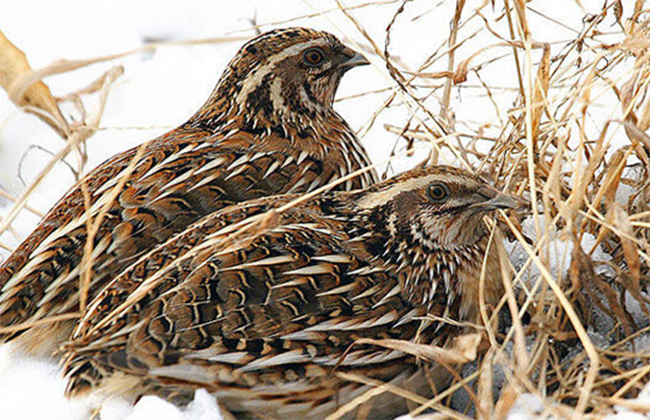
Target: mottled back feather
column 258, row 134
column 262, row 308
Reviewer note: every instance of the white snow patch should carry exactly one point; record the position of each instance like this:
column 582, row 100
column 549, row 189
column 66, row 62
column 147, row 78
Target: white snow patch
column 33, row 388
column 204, row 407
column 528, row 407
column 559, row 256
column 623, row 413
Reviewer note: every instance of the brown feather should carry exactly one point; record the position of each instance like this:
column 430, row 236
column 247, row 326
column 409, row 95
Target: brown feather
column 264, row 317
column 247, row 141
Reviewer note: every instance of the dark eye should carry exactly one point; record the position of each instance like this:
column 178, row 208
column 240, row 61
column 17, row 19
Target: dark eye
column 313, row 57
column 438, row 192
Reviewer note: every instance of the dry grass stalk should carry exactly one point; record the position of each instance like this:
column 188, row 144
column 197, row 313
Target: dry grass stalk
column 24, row 86
column 463, row 350
column 93, row 225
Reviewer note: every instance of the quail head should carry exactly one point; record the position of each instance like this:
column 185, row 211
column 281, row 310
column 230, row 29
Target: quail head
column 268, row 128
column 263, row 307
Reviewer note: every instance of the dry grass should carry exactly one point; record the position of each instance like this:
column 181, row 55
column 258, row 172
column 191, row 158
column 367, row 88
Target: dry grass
column 575, row 337
column 587, row 176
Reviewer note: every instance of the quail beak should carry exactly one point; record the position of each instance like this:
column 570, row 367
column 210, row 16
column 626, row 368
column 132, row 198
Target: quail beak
column 496, row 200
column 501, row 201
column 351, row 58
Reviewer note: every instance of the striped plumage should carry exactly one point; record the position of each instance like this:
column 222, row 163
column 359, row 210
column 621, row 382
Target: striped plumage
column 268, row 128
column 261, row 314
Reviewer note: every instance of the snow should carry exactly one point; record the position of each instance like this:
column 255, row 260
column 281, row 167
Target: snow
column 531, row 407
column 527, row 407
column 623, row 413
column 19, row 374
column 160, row 89
column 560, row 249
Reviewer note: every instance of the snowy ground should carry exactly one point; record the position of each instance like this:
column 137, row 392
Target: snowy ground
column 160, row 89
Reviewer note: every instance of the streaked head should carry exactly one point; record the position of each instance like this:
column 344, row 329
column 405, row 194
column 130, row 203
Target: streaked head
column 436, row 207
column 285, row 75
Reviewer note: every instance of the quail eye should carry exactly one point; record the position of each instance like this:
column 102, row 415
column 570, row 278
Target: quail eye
column 438, row 192
column 313, row 57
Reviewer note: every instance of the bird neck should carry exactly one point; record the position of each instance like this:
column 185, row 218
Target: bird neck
column 430, row 276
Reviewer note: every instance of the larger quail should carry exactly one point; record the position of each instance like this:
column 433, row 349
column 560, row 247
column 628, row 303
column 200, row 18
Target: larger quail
column 263, row 318
column 268, row 128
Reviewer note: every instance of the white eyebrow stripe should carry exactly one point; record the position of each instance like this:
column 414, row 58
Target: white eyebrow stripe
column 255, row 79
column 381, row 197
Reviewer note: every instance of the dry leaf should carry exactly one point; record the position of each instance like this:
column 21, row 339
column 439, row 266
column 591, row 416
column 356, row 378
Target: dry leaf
column 637, row 136
column 507, row 400
column 592, row 288
column 485, row 381
column 612, row 180
column 25, row 92
column 540, row 90
column 463, row 350
column 619, row 218
column 644, row 114
column 618, row 11
column 631, row 277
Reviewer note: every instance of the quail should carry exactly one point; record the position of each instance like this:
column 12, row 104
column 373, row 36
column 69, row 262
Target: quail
column 268, row 128
column 265, row 319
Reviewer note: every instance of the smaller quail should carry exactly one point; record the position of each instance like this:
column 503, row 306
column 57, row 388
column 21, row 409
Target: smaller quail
column 264, row 319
